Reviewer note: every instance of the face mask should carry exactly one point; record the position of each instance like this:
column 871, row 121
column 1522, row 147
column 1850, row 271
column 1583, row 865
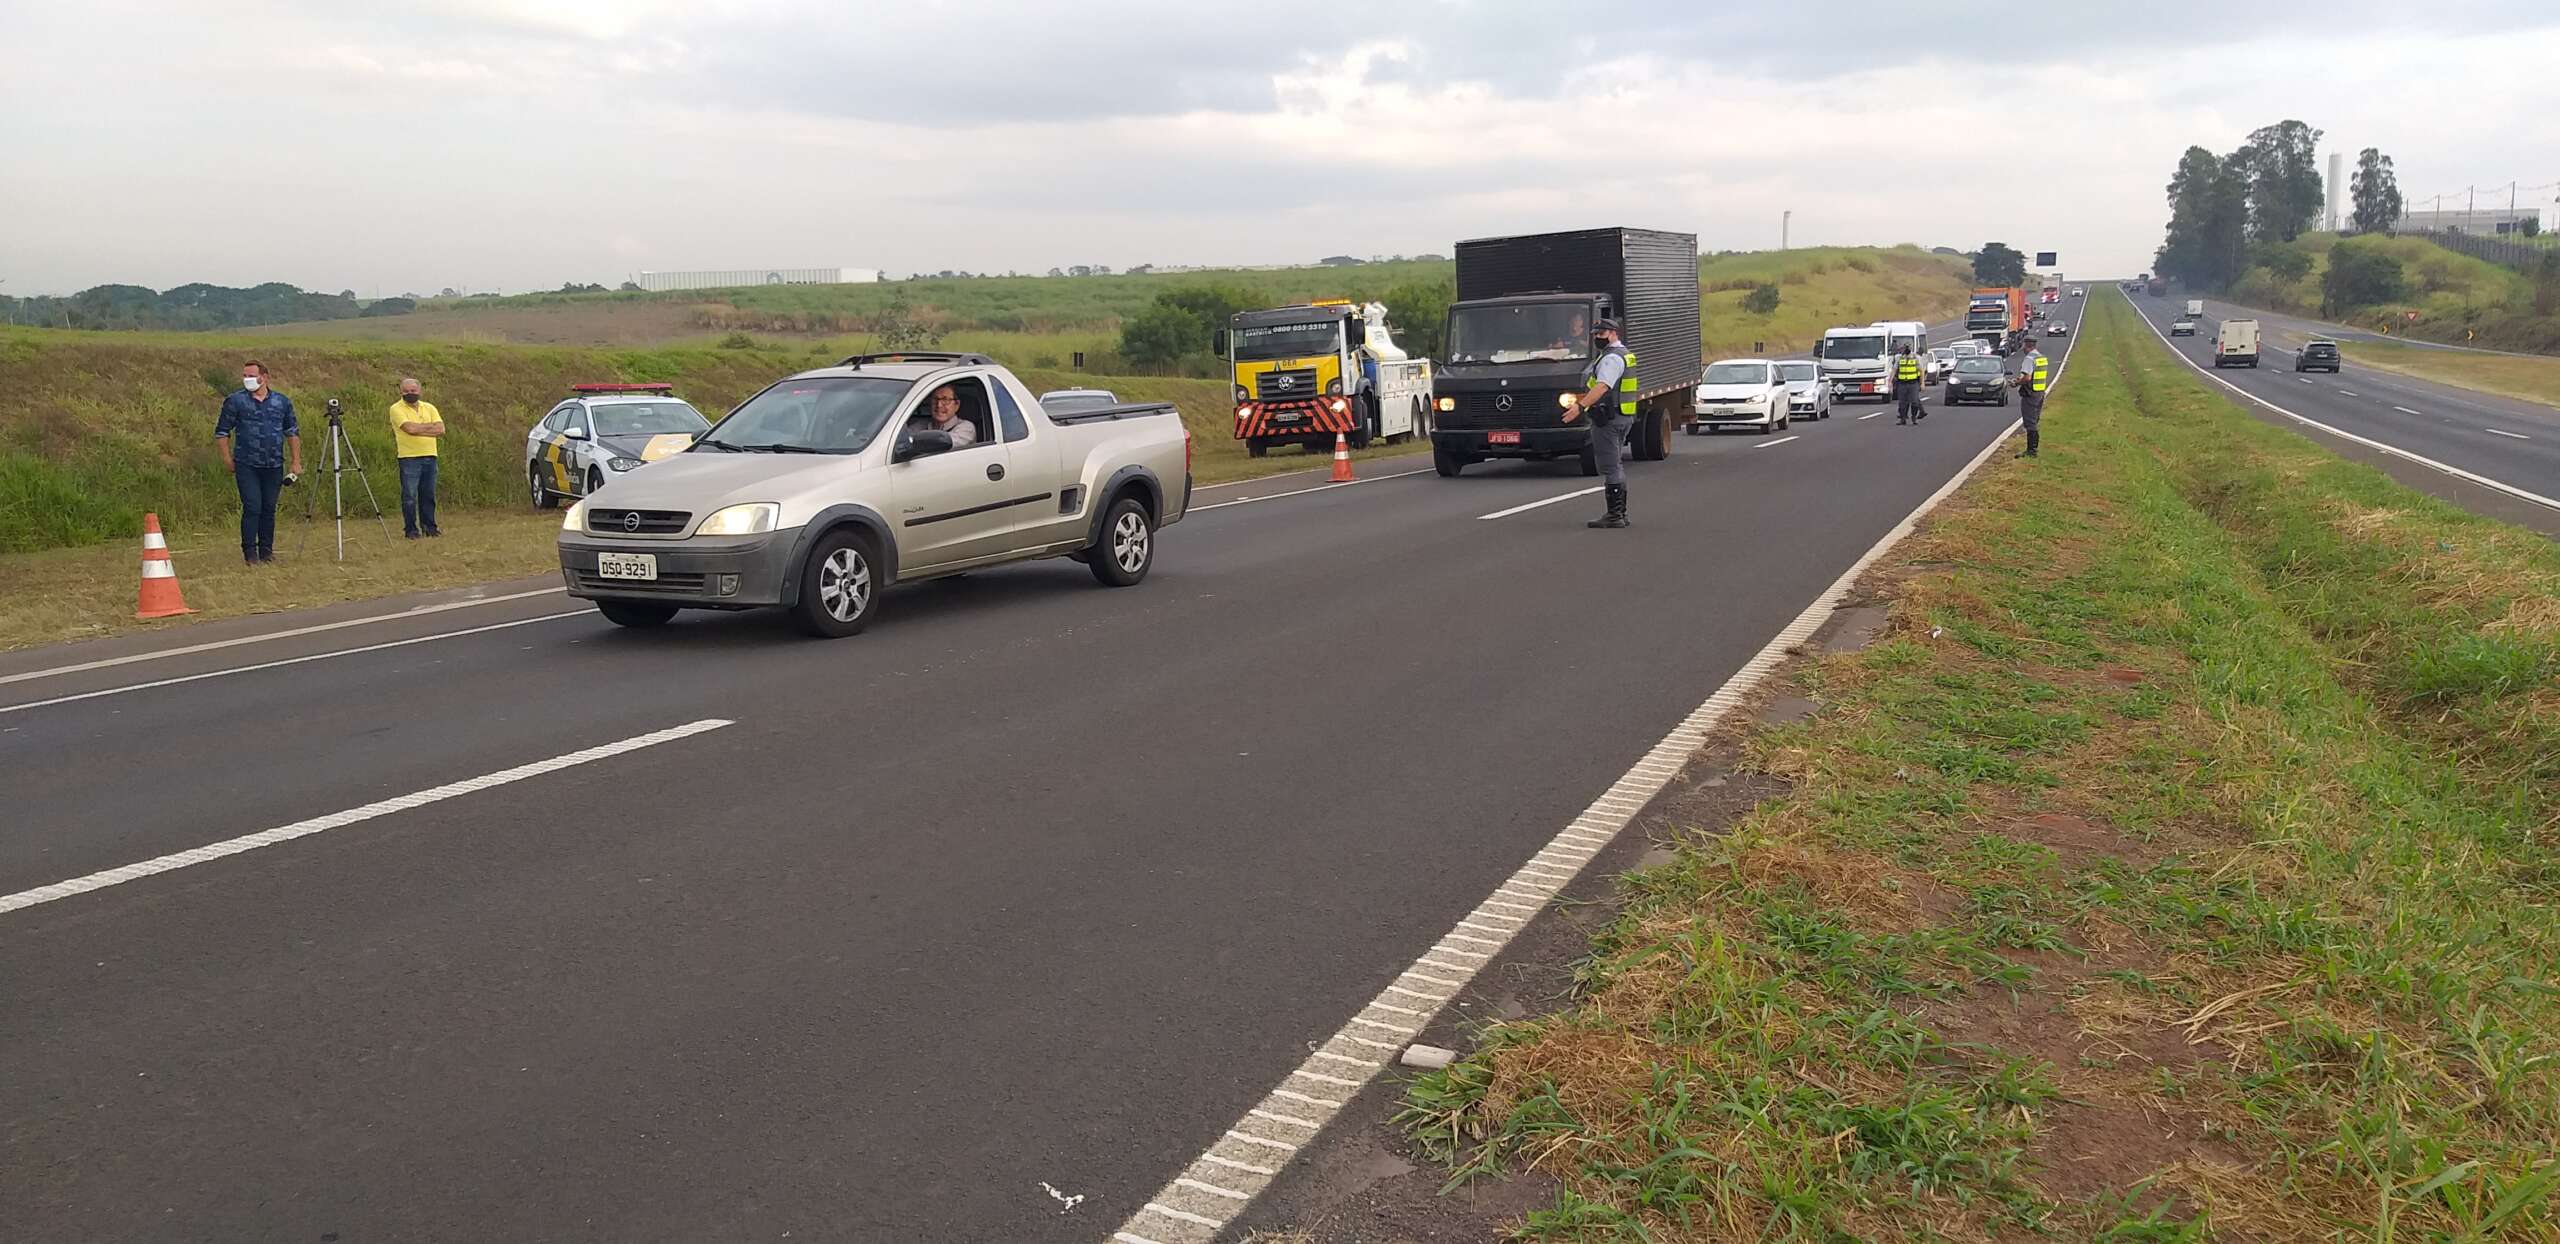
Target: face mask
column 410, row 398
column 250, row 383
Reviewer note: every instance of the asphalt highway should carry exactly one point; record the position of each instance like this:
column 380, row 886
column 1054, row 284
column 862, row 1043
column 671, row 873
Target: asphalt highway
column 975, row 927
column 2455, row 431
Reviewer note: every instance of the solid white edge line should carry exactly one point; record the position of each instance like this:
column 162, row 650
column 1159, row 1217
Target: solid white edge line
column 2518, row 435
column 1780, row 441
column 1203, row 509
column 1615, row 809
column 1523, row 509
column 219, row 644
column 2342, row 434
column 268, row 665
column 352, row 816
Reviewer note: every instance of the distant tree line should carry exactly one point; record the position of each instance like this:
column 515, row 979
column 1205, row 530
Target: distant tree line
column 1174, row 333
column 192, row 308
column 2265, row 194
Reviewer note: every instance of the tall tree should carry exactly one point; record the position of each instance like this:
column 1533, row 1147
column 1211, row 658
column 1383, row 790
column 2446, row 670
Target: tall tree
column 2207, row 208
column 2283, row 172
column 1997, row 264
column 2377, row 192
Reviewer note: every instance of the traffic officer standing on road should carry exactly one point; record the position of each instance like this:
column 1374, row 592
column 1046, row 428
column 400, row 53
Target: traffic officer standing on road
column 1906, row 386
column 2032, row 379
column 1613, row 415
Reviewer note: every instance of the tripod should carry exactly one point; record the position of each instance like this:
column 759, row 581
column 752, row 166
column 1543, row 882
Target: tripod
column 341, row 455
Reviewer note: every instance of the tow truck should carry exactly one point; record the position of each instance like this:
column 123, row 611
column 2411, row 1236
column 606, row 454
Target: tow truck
column 1303, row 374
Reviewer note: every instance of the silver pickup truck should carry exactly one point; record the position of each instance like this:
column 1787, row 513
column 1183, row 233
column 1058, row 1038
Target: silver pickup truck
column 817, row 494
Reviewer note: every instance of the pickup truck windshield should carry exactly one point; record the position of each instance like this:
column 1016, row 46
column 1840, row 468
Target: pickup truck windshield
column 646, row 418
column 1287, row 341
column 1518, row 334
column 1737, row 373
column 825, row 414
column 1860, row 347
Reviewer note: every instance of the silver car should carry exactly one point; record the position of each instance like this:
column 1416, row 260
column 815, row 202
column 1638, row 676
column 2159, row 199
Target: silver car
column 1807, row 396
column 819, row 493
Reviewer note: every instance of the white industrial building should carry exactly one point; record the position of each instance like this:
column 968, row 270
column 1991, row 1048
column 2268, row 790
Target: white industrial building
column 2485, row 222
column 727, row 277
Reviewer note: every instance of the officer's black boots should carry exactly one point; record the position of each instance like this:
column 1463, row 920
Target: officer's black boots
column 1617, row 513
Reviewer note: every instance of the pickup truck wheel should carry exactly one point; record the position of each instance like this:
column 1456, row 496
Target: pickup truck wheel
column 542, row 495
column 634, row 613
column 1446, row 463
column 840, row 586
column 1128, row 548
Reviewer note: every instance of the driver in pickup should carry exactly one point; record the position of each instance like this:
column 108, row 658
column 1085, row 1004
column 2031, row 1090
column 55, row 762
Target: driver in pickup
column 941, row 413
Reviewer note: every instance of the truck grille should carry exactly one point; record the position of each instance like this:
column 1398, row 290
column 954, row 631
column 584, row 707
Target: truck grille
column 648, row 522
column 1483, row 410
column 1277, row 385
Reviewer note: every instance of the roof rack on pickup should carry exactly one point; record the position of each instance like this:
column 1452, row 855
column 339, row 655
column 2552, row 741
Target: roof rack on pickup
column 659, row 386
column 946, row 357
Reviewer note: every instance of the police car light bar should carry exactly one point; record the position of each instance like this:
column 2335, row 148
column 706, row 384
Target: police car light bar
column 654, row 387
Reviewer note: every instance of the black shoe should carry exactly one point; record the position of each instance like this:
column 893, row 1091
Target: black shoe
column 432, row 533
column 408, row 535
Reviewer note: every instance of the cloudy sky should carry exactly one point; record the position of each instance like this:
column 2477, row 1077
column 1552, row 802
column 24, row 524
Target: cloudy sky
column 391, row 145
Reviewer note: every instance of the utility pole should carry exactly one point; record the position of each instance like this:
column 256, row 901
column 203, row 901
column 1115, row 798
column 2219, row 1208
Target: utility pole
column 1785, row 219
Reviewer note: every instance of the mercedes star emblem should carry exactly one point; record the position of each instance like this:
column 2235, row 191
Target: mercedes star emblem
column 1503, row 402
column 631, row 521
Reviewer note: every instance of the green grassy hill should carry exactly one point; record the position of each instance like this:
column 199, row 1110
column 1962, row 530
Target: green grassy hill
column 2458, row 299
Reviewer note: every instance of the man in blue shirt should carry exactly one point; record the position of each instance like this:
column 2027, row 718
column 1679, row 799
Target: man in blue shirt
column 256, row 433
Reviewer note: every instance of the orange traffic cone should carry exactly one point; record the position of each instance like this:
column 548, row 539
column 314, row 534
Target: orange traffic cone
column 160, row 598
column 1341, row 458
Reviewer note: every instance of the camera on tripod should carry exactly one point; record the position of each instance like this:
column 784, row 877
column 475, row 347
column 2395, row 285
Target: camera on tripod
column 337, row 414
column 342, row 462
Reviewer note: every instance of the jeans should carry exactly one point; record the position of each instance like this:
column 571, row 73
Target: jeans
column 1609, row 445
column 259, row 487
column 418, row 494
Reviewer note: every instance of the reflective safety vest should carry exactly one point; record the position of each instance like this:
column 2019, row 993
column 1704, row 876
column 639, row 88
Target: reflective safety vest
column 1626, row 379
column 1906, row 368
column 2036, row 378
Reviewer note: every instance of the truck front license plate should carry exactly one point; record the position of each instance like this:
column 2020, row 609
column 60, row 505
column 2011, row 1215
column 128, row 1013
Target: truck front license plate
column 643, row 566
column 1502, row 438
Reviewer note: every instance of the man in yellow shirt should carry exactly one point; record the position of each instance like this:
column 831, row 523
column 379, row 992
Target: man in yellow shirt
column 416, row 426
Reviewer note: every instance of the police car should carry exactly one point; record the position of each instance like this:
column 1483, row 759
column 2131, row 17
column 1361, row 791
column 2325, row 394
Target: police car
column 602, row 431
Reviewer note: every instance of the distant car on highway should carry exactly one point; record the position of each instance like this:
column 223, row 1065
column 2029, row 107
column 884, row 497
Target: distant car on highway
column 2317, row 354
column 1940, row 361
column 829, row 486
column 2079, row 291
column 1978, row 378
column 1750, row 393
column 2057, row 329
column 1808, row 396
column 602, row 432
column 2183, row 328
column 1068, row 401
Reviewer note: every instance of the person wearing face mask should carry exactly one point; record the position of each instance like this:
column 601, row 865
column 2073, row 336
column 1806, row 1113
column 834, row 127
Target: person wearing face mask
column 416, row 428
column 1609, row 396
column 257, row 434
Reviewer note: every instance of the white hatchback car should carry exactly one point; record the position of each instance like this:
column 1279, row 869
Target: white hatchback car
column 1750, row 393
column 1807, row 396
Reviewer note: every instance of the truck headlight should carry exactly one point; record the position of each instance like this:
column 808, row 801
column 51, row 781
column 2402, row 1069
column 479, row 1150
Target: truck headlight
column 1447, row 403
column 624, row 464
column 575, row 519
column 1564, row 399
column 752, row 519
column 1242, row 396
column 1333, row 388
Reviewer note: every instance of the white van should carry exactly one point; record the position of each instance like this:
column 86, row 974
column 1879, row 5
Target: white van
column 1855, row 362
column 1900, row 333
column 2195, row 307
column 2235, row 344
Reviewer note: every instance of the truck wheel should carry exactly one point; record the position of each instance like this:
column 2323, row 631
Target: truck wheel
column 839, row 586
column 1365, row 430
column 635, row 614
column 1448, row 464
column 1254, row 448
column 1128, row 548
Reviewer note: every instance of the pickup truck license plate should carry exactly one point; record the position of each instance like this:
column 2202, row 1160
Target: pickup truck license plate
column 1502, row 438
column 643, row 566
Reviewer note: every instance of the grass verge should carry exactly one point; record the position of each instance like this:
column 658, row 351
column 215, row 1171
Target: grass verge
column 2178, row 866
column 2529, row 378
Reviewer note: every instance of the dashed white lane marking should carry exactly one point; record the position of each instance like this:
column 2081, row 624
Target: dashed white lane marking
column 2366, row 441
column 1523, row 509
column 1878, row 415
column 2517, row 435
column 2303, row 379
column 2350, row 393
column 316, row 656
column 1300, row 492
column 352, row 816
column 2406, row 411
column 1181, row 1213
column 219, row 644
column 1780, row 441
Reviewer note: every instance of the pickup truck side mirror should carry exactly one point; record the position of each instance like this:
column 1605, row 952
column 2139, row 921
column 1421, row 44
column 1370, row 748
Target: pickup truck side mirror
column 921, row 444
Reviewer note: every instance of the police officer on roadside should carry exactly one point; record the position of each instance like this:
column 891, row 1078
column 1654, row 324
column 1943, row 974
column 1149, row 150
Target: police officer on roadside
column 1609, row 397
column 2032, row 379
column 1907, row 378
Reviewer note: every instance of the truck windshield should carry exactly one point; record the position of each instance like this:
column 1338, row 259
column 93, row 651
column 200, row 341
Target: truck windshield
column 1515, row 333
column 827, row 414
column 1859, row 347
column 1287, row 341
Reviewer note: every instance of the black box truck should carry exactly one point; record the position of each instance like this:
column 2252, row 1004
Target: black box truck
column 1519, row 338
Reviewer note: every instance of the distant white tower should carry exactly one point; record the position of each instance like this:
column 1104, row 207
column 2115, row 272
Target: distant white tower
column 2337, row 187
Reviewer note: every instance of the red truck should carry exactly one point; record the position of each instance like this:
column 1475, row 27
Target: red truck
column 1993, row 313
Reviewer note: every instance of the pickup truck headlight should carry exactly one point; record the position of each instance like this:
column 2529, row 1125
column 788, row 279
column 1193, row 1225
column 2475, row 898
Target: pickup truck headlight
column 624, row 464
column 752, row 519
column 575, row 519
